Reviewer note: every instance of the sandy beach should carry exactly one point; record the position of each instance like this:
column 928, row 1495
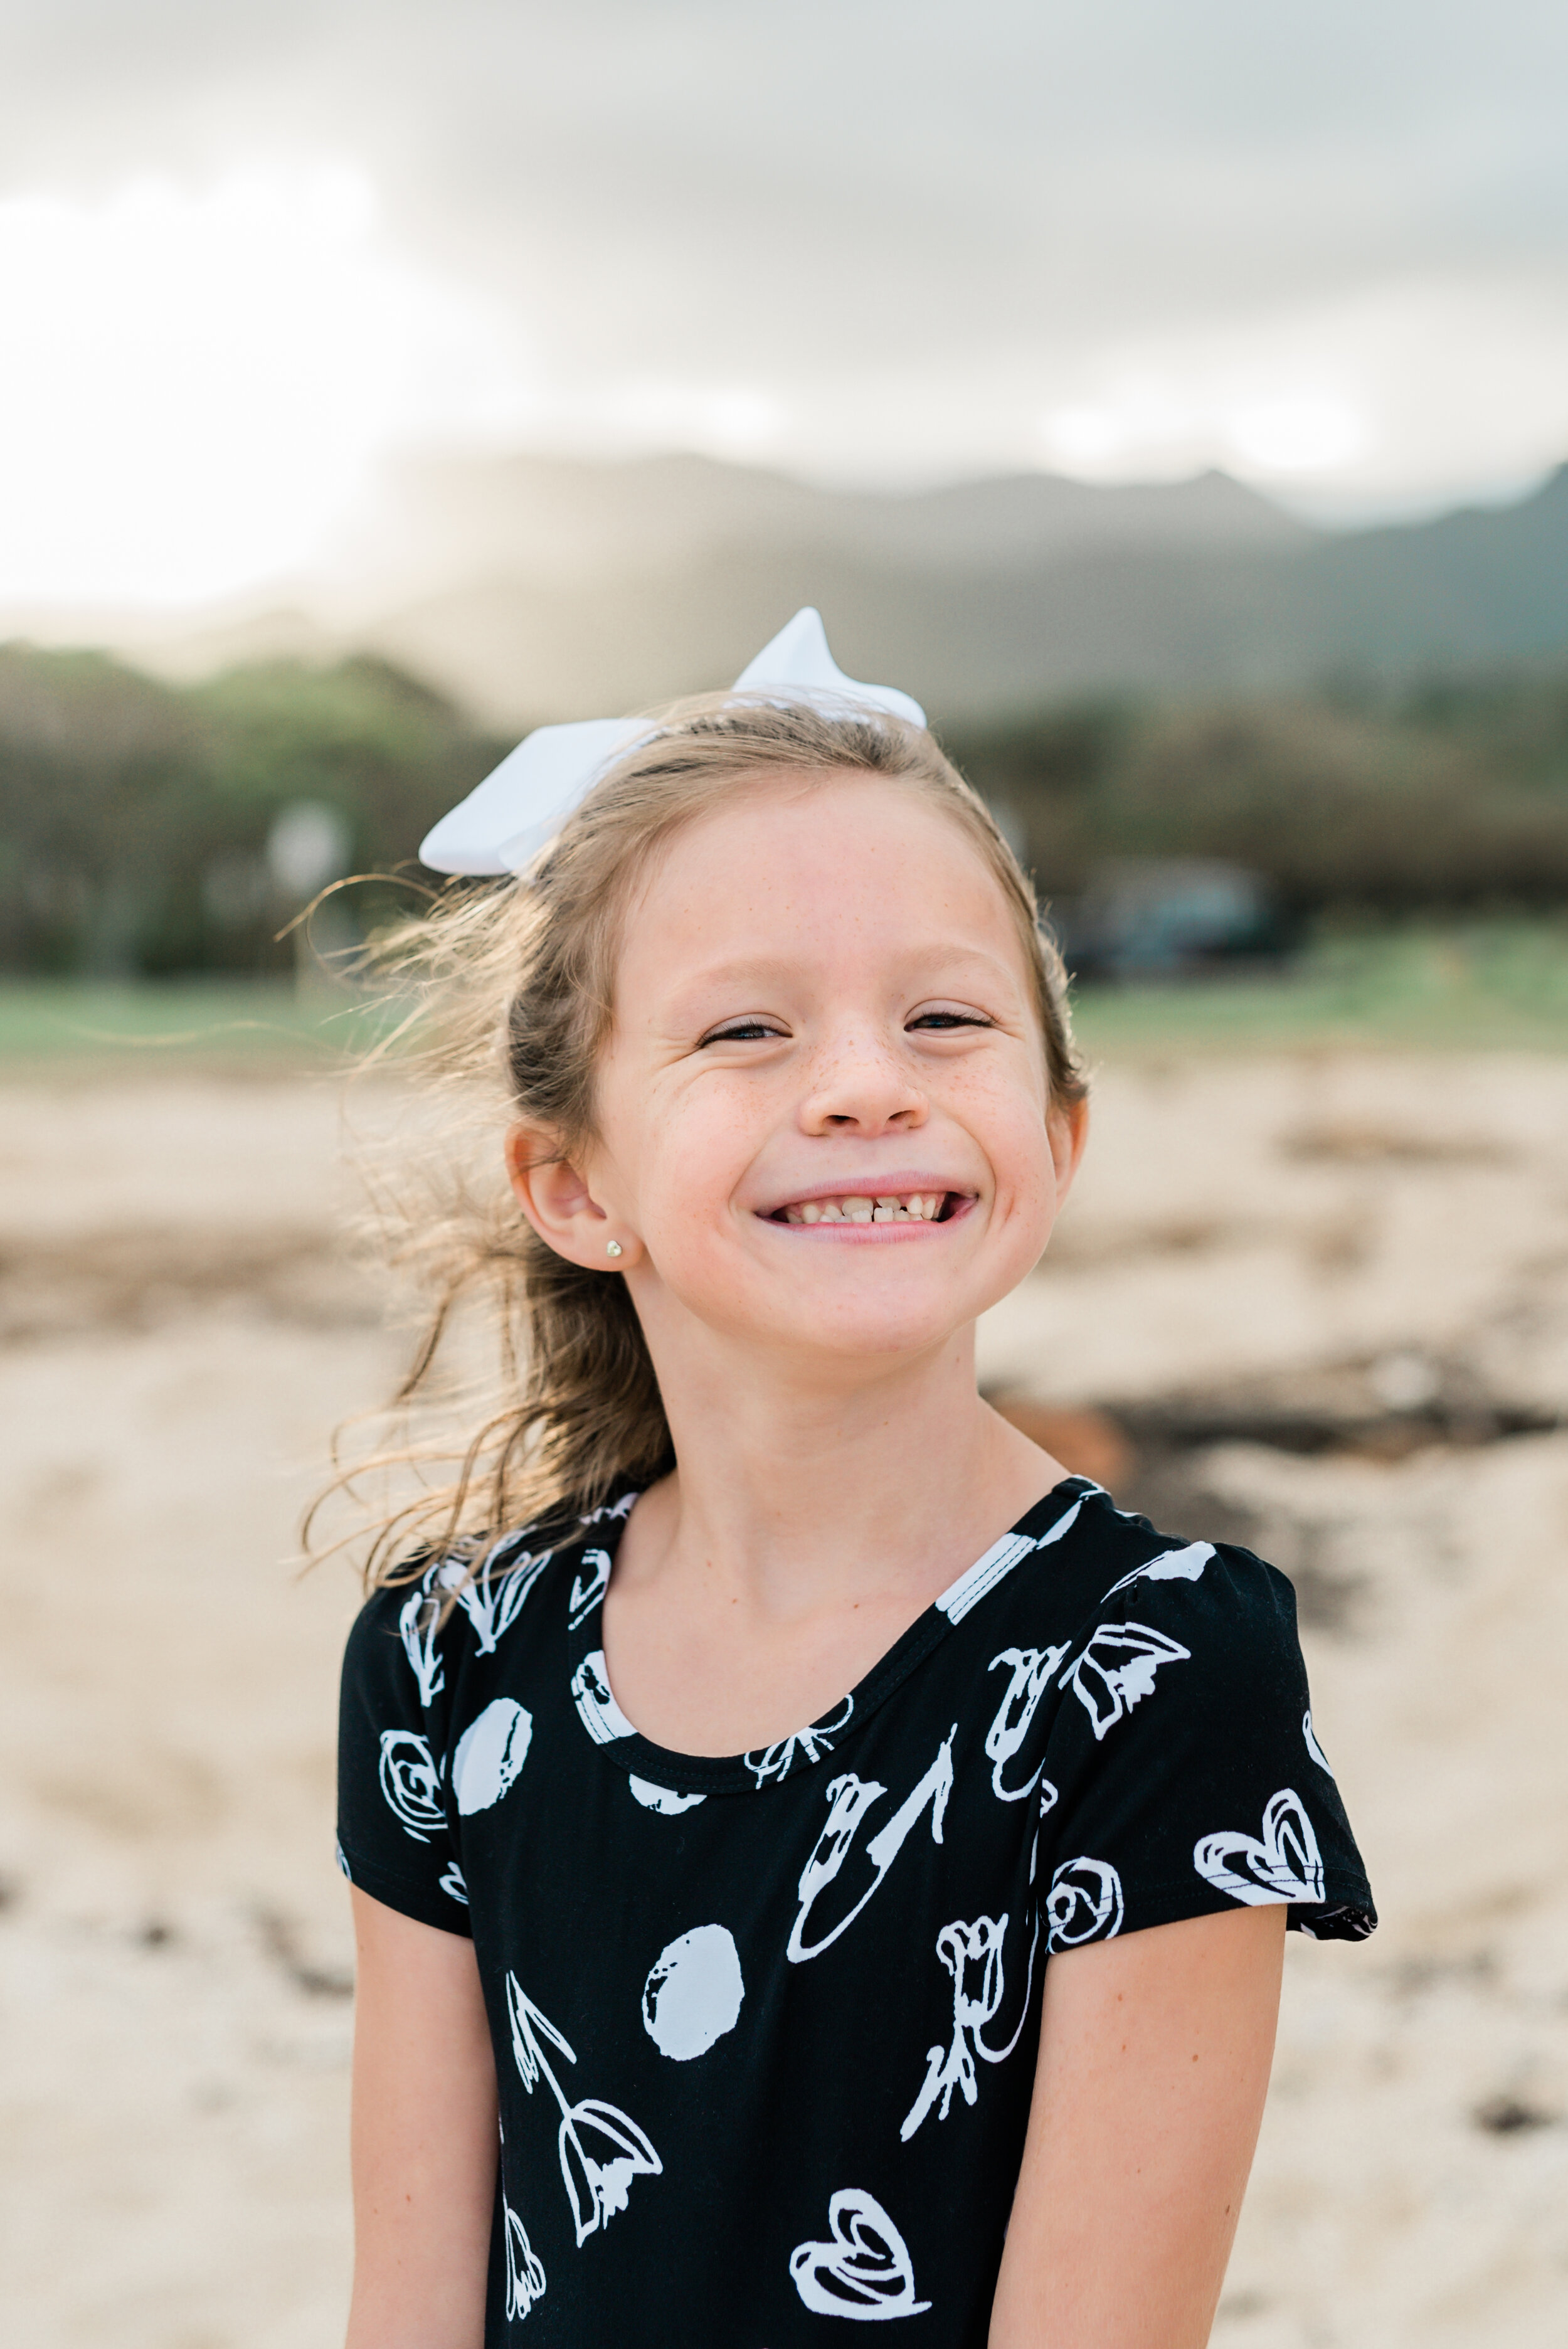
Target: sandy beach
column 1320, row 1303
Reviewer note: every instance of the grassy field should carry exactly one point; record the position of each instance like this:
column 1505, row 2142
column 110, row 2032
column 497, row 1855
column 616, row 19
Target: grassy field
column 1485, row 986
column 204, row 1022
column 1482, row 985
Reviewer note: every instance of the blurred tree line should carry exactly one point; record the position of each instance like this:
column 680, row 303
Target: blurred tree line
column 1454, row 797
column 135, row 816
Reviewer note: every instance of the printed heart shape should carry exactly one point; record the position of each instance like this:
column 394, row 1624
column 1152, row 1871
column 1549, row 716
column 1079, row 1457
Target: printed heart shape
column 865, row 2271
column 1284, row 1865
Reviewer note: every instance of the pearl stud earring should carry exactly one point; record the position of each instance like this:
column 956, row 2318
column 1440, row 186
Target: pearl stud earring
column 613, row 1247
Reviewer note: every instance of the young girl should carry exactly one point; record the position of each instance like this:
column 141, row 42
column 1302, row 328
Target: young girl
column 839, row 1858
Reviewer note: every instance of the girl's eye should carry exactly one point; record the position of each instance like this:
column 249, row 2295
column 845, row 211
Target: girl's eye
column 941, row 1019
column 743, row 1031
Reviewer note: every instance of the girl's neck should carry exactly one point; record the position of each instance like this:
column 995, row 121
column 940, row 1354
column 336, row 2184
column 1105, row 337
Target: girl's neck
column 797, row 1494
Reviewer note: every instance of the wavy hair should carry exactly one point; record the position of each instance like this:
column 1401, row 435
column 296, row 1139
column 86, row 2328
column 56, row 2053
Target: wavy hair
column 514, row 984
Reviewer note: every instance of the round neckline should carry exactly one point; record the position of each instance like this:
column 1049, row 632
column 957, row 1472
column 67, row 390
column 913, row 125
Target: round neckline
column 663, row 1770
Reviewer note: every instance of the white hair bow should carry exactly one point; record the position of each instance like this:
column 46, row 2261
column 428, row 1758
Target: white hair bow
column 525, row 801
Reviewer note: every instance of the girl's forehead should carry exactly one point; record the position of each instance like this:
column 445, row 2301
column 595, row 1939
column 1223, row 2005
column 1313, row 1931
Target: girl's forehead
column 809, row 852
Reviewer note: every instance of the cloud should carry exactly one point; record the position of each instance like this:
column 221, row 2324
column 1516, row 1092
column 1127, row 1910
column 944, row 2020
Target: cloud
column 893, row 239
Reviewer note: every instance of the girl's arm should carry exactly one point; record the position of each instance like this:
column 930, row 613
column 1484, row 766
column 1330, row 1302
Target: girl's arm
column 424, row 2137
column 1153, row 2066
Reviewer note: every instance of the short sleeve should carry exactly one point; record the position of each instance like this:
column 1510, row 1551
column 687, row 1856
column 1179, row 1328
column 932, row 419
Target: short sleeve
column 393, row 1833
column 1182, row 1777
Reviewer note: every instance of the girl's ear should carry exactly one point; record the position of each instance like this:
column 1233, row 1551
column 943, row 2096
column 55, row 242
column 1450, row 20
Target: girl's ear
column 1067, row 1126
column 554, row 1194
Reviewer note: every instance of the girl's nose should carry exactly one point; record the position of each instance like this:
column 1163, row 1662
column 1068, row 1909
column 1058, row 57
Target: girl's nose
column 860, row 1087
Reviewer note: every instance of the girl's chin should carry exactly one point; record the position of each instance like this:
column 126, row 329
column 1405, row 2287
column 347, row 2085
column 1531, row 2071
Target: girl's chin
column 836, row 1300
column 813, row 1319
column 834, row 1330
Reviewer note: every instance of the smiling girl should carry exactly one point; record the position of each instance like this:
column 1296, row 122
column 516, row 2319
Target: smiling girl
column 814, row 1860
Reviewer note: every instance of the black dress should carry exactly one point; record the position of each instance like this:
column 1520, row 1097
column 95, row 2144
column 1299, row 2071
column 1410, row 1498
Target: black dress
column 765, row 2027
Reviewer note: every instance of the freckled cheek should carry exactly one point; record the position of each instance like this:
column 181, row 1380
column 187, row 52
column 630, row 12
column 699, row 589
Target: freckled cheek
column 1027, row 1194
column 1009, row 1126
column 693, row 1160
column 1028, row 1206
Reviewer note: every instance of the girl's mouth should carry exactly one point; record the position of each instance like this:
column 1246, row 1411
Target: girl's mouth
column 880, row 1207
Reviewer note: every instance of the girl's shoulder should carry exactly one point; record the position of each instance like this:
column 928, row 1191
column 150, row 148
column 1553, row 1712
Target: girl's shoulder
column 1157, row 1683
column 1083, row 1558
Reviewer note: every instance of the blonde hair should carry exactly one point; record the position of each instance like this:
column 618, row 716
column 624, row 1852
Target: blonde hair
column 519, row 977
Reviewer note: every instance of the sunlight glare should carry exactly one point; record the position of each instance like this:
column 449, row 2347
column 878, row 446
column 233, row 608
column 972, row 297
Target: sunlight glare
column 194, row 384
column 1153, row 428
column 732, row 421
column 1304, row 432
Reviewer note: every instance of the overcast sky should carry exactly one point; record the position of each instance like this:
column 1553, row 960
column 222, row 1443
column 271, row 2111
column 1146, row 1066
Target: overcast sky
column 1326, row 248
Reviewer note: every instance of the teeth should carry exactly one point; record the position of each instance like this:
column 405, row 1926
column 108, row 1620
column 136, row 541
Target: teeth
column 918, row 1207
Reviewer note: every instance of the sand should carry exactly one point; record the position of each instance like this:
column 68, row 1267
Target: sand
column 1370, row 1251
